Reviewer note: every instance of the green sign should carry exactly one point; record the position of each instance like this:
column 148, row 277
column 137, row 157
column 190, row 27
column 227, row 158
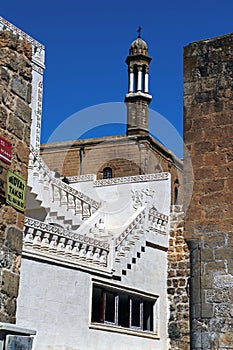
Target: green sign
column 16, row 190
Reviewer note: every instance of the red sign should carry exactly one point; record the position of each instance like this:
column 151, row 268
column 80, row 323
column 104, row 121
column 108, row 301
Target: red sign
column 5, row 150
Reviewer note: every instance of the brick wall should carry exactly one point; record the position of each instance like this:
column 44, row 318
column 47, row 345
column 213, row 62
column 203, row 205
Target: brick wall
column 15, row 120
column 208, row 105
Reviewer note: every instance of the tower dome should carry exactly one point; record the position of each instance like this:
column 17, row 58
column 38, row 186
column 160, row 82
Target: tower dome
column 138, row 47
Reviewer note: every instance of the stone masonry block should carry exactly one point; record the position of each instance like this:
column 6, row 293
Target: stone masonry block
column 11, row 306
column 5, row 75
column 9, row 58
column 213, row 267
column 230, row 266
column 14, row 240
column 214, row 240
column 23, row 111
column 8, row 39
column 207, row 254
column 22, row 152
column 25, row 47
column 10, row 283
column 19, row 87
column 24, row 68
column 207, row 282
column 9, row 215
column 223, row 253
column 3, row 117
column 207, row 310
column 15, row 126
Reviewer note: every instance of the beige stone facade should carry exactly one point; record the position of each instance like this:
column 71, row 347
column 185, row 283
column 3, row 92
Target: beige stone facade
column 208, row 103
column 125, row 155
column 15, row 121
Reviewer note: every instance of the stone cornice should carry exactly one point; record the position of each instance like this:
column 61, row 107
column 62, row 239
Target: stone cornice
column 131, row 179
column 4, row 24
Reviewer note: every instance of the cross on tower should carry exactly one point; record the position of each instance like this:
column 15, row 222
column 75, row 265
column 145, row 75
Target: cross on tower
column 139, row 32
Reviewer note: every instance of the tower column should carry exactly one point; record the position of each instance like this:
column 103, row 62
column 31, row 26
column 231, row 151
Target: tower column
column 139, row 87
column 146, row 82
column 131, row 80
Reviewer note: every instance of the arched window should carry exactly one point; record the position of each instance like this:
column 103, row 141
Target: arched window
column 176, row 195
column 107, row 173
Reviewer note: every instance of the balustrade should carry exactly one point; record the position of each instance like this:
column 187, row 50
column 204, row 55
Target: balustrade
column 45, row 186
column 54, row 240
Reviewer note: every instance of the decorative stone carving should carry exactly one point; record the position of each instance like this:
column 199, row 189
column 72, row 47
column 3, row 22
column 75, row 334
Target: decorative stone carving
column 131, row 179
column 82, row 178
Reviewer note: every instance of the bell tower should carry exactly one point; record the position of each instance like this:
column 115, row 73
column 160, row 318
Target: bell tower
column 138, row 98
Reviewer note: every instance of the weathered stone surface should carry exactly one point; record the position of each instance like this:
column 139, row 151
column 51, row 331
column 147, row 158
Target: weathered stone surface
column 11, row 307
column 22, row 151
column 14, row 239
column 15, row 126
column 10, row 283
column 23, row 111
column 15, row 119
column 24, row 68
column 9, row 59
column 8, row 215
column 178, row 285
column 208, row 102
column 4, row 74
column 3, row 117
column 8, row 39
column 19, row 87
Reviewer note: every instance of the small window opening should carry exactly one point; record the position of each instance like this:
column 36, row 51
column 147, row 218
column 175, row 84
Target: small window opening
column 176, row 191
column 107, row 173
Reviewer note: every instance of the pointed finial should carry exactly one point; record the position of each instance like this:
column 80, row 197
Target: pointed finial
column 139, row 32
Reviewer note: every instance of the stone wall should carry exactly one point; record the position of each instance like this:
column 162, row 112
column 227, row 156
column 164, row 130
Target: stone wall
column 127, row 156
column 178, row 284
column 208, row 105
column 15, row 121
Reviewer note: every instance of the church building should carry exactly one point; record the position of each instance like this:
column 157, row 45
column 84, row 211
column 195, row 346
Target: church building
column 103, row 231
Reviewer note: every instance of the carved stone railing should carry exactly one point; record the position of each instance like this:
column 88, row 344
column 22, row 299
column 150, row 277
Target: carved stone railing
column 42, row 179
column 68, row 196
column 157, row 222
column 49, row 239
column 36, row 162
column 134, row 236
column 130, row 238
column 129, row 230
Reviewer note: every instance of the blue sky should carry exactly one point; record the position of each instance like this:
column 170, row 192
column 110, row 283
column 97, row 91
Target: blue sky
column 87, row 43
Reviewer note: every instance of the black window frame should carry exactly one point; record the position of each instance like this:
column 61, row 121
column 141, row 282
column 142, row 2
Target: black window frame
column 144, row 321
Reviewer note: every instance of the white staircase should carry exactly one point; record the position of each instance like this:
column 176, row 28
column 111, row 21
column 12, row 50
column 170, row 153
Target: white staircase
column 62, row 204
column 131, row 244
column 66, row 224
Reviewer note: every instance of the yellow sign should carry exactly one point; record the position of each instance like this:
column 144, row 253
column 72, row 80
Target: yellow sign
column 16, row 190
